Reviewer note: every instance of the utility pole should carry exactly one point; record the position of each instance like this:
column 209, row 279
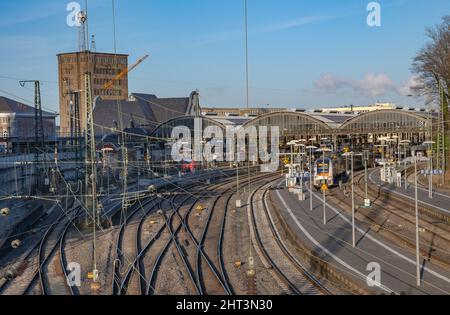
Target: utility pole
column 75, row 125
column 39, row 137
column 91, row 169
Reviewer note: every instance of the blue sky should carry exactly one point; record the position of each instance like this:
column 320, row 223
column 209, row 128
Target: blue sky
column 302, row 53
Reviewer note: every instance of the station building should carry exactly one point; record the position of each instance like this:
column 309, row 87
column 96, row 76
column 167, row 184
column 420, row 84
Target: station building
column 103, row 67
column 17, row 126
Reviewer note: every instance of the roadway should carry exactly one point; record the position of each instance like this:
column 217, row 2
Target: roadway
column 333, row 244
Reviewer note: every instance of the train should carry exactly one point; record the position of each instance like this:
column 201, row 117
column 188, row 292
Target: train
column 331, row 170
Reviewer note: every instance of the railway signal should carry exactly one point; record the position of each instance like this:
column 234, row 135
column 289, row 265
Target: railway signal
column 324, row 150
column 311, row 149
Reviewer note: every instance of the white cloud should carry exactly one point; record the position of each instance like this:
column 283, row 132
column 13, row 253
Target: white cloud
column 372, row 84
column 407, row 88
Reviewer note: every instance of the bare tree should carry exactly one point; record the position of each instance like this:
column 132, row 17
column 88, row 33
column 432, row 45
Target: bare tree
column 432, row 67
column 432, row 63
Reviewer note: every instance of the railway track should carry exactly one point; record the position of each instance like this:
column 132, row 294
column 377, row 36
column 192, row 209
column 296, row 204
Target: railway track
column 312, row 284
column 215, row 277
column 203, row 264
column 137, row 268
column 212, row 238
column 274, row 253
column 213, row 249
column 29, row 255
column 169, row 225
column 123, row 257
column 59, row 228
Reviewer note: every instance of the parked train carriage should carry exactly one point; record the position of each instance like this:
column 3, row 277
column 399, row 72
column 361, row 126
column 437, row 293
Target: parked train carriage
column 326, row 171
column 331, row 170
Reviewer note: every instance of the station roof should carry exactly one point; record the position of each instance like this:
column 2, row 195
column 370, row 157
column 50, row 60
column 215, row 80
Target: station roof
column 145, row 110
column 301, row 121
column 9, row 106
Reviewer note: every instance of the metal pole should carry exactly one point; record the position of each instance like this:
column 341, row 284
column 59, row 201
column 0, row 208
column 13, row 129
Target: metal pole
column 417, row 223
column 353, row 205
column 324, row 198
column 292, row 160
column 310, row 181
column 238, row 200
column 366, row 178
column 431, row 176
column 301, row 178
column 430, row 167
column 406, row 179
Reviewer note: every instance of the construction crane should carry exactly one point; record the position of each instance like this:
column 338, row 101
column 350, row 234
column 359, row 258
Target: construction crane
column 108, row 85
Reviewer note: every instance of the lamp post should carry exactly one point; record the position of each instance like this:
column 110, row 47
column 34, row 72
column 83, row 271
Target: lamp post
column 311, row 148
column 367, row 201
column 351, row 155
column 430, row 167
column 238, row 193
column 417, row 223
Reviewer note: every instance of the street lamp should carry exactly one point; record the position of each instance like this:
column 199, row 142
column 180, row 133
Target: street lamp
column 238, row 193
column 351, row 155
column 323, row 150
column 367, row 201
column 417, row 222
column 430, row 167
column 311, row 148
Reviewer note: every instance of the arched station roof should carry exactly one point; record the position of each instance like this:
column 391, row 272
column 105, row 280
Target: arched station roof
column 385, row 121
column 292, row 124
